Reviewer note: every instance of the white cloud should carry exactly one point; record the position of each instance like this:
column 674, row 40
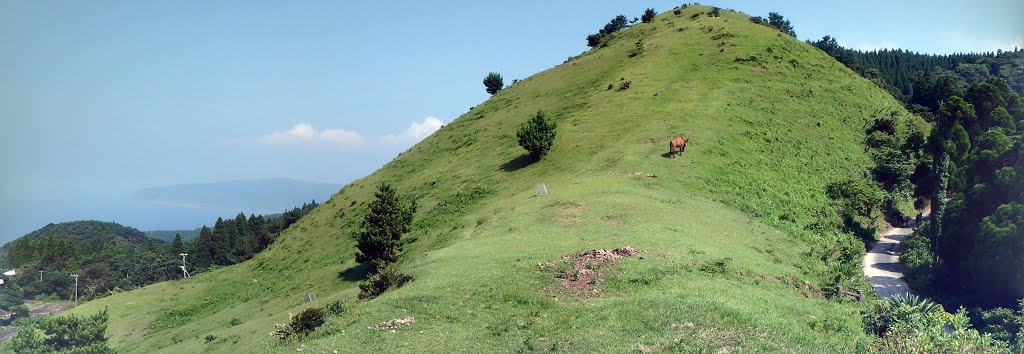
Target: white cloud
column 305, row 133
column 884, row 44
column 417, row 131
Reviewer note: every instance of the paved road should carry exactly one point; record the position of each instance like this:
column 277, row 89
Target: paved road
column 882, row 264
column 8, row 333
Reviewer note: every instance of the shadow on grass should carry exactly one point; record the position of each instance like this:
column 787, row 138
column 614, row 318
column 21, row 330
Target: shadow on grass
column 517, row 163
column 355, row 273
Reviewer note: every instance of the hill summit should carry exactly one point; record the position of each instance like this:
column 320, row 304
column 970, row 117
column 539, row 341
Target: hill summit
column 727, row 243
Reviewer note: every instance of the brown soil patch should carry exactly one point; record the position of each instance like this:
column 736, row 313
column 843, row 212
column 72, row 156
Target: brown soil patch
column 581, row 273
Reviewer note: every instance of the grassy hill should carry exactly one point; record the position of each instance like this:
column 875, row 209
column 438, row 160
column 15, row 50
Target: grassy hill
column 728, row 233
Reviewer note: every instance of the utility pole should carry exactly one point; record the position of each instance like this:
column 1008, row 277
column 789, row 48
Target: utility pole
column 76, row 288
column 184, row 272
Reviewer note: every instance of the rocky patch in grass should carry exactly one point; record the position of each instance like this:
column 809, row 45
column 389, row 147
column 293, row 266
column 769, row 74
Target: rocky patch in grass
column 394, row 324
column 582, row 273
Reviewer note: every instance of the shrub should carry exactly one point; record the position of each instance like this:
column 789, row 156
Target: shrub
column 911, row 329
column 335, row 308
column 388, row 277
column 638, row 49
column 857, row 196
column 21, row 311
column 715, row 12
column 65, row 334
column 677, row 11
column 648, row 16
column 210, row 338
column 300, row 325
column 1002, row 323
column 537, row 136
column 917, row 259
column 624, row 85
column 235, row 321
column 493, row 83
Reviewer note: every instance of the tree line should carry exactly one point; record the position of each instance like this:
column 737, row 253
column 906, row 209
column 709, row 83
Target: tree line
column 110, row 258
column 969, row 170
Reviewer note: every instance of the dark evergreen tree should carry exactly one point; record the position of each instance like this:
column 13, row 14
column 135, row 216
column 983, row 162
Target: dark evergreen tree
column 203, row 249
column 177, row 246
column 776, row 20
column 380, row 240
column 537, row 135
column 616, row 24
column 648, row 16
column 493, row 83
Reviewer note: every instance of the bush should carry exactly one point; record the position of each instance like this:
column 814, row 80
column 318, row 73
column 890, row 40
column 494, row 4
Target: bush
column 638, row 49
column 300, row 325
column 1002, row 323
column 235, row 321
column 857, row 196
column 715, row 12
column 648, row 16
column 917, row 259
column 335, row 308
column 677, row 11
column 493, row 83
column 916, row 331
column 388, row 277
column 21, row 311
column 65, row 334
column 537, row 135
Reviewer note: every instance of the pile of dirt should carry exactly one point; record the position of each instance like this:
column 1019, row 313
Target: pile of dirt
column 395, row 323
column 581, row 273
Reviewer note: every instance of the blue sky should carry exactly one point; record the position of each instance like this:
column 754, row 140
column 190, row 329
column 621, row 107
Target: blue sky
column 99, row 99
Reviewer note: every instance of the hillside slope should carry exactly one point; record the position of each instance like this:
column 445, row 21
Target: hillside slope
column 729, row 232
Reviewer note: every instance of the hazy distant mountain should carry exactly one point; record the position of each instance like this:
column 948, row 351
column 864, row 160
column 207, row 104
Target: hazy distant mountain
column 168, row 235
column 251, row 196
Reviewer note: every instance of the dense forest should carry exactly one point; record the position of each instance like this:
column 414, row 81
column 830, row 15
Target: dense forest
column 109, row 257
column 970, row 171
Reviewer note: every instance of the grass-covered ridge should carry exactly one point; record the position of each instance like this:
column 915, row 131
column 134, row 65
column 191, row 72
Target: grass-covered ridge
column 725, row 230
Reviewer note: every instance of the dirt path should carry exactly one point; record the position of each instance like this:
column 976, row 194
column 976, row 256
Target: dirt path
column 882, row 263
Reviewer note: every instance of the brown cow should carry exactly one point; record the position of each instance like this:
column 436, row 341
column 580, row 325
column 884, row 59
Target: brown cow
column 676, row 145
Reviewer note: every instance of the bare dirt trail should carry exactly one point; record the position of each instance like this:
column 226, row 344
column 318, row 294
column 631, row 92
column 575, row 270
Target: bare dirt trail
column 882, row 262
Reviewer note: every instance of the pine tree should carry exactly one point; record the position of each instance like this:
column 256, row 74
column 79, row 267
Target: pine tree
column 494, row 83
column 537, row 136
column 380, row 240
column 177, row 246
column 648, row 16
column 203, row 248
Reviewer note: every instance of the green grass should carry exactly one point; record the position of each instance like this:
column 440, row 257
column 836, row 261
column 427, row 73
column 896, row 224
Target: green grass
column 766, row 136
